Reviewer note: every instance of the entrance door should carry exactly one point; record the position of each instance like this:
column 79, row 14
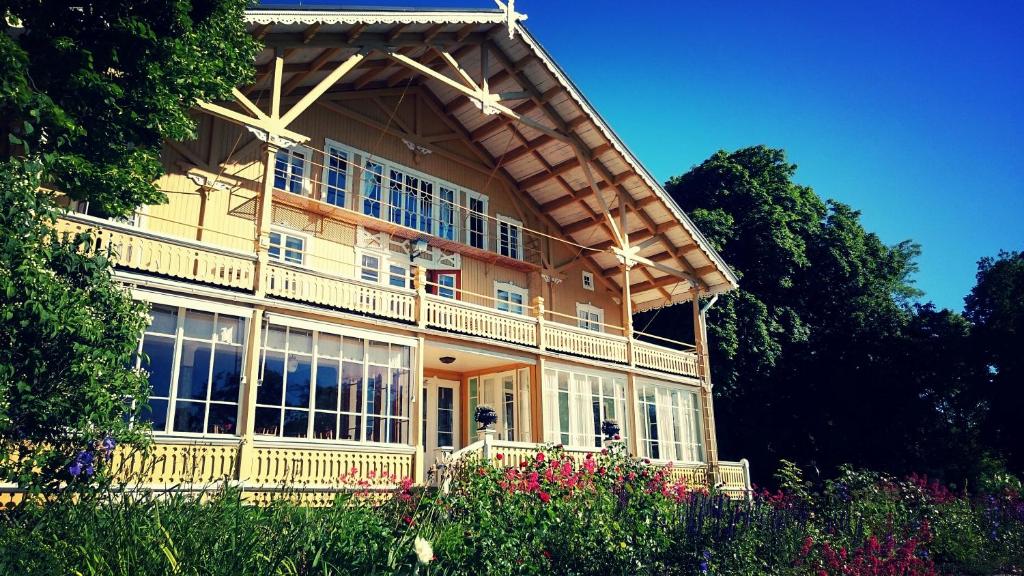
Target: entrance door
column 440, row 418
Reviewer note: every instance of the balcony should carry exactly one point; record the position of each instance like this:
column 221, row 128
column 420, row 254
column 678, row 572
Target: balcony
column 134, row 249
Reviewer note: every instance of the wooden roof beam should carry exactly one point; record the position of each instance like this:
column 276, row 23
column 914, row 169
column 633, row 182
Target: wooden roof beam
column 310, row 32
column 319, row 62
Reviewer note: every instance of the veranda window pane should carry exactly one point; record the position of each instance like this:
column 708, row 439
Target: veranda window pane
column 198, row 324
column 188, row 416
column 227, row 373
column 300, row 341
column 194, row 372
column 327, row 385
column 155, row 413
column 164, row 320
column 296, row 423
column 354, row 349
column 158, row 362
column 325, row 426
column 328, row 345
column 300, row 373
column 223, row 419
column 268, row 421
column 272, row 386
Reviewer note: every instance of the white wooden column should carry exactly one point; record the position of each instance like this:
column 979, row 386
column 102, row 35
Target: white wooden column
column 247, row 411
column 706, row 399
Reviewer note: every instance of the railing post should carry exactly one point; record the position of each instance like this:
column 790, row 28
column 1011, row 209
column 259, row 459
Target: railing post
column 538, row 311
column 488, row 444
column 748, row 490
column 420, row 280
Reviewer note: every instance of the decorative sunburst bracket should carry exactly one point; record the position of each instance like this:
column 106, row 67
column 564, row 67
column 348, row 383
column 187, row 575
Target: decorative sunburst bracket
column 511, row 16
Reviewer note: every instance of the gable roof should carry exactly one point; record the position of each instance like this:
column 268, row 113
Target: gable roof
column 547, row 169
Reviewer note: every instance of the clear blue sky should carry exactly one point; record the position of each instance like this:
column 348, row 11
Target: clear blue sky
column 911, row 112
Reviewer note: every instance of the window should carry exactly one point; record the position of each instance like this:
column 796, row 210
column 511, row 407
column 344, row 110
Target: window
column 330, row 386
column 509, row 297
column 588, row 280
column 476, row 220
column 447, row 220
column 388, row 269
column 510, row 238
column 590, row 317
column 670, row 423
column 373, row 177
column 287, row 247
column 370, row 268
column 193, row 360
column 336, row 170
column 290, row 169
column 445, row 283
column 576, row 403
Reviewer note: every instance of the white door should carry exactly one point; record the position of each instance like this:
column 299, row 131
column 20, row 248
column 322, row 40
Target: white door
column 440, row 418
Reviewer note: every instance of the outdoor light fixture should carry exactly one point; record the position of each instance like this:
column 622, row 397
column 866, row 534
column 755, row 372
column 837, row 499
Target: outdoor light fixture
column 447, row 359
column 419, row 247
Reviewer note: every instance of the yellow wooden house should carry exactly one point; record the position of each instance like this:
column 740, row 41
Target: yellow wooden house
column 408, row 214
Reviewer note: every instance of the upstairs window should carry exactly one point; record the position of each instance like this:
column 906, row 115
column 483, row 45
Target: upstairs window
column 291, row 169
column 336, row 171
column 390, row 270
column 287, row 247
column 476, row 221
column 447, row 211
column 509, row 297
column 590, row 317
column 444, row 283
column 588, row 280
column 373, row 183
column 510, row 238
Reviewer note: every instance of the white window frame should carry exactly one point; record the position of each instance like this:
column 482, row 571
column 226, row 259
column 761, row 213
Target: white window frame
column 511, row 288
column 185, row 303
column 386, row 260
column 284, row 233
column 335, row 330
column 472, row 195
column 307, row 164
column 350, row 171
column 588, row 323
column 580, row 398
column 672, row 417
column 588, row 280
column 505, row 248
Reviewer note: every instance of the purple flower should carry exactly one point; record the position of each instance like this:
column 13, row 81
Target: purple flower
column 75, row 469
column 83, row 463
column 108, row 446
column 703, row 566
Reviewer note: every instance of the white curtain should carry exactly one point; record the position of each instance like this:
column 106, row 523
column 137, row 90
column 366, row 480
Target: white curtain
column 581, row 412
column 552, row 428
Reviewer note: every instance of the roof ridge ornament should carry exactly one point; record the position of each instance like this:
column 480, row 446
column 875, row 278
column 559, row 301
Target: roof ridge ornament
column 511, row 16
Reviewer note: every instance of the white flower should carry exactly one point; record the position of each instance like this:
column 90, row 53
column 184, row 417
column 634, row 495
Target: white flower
column 424, row 551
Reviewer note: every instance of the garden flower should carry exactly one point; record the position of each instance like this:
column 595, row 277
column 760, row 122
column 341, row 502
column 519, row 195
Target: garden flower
column 424, row 551
column 540, row 456
column 544, row 496
column 499, row 456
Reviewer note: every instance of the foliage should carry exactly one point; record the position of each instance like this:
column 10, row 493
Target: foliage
column 95, row 87
column 67, row 331
column 821, row 345
column 996, row 308
column 547, row 513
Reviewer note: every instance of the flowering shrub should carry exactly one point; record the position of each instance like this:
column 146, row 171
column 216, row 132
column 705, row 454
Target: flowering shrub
column 552, row 513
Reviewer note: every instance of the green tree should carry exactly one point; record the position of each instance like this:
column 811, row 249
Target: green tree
column 810, row 357
column 89, row 91
column 96, row 86
column 996, row 308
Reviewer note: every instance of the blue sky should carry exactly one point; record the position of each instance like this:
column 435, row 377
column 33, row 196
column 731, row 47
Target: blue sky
column 912, row 113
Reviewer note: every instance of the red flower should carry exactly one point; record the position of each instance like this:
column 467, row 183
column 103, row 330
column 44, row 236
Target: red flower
column 544, row 496
column 522, row 463
column 499, row 456
column 546, row 554
column 540, row 456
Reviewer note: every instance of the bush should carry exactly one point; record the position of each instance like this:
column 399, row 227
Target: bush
column 552, row 513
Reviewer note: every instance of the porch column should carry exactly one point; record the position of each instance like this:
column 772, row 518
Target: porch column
column 631, row 422
column 264, row 216
column 246, row 423
column 706, row 399
column 416, row 418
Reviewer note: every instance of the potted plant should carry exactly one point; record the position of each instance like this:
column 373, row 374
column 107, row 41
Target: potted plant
column 610, row 429
column 485, row 416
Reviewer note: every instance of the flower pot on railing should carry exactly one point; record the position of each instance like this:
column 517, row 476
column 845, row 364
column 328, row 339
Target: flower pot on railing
column 610, row 429
column 485, row 416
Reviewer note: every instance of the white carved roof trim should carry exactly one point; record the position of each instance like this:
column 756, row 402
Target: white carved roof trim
column 374, row 17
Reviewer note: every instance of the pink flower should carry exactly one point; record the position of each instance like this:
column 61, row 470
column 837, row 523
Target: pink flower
column 499, row 456
column 540, row 456
column 544, row 496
